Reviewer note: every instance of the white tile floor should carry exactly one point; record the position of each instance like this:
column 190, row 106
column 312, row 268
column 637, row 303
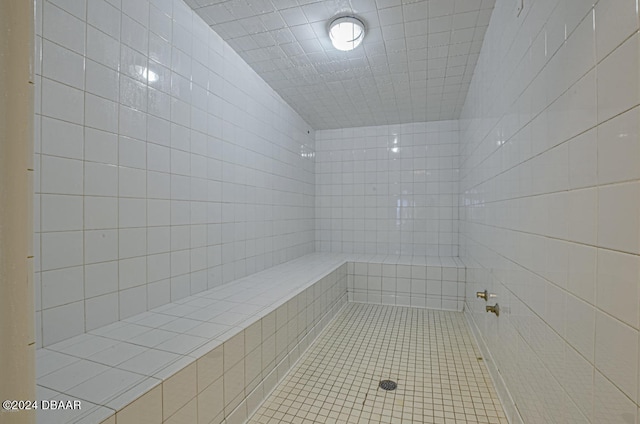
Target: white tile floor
column 430, row 354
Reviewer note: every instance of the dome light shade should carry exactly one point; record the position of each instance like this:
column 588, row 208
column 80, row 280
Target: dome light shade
column 346, row 33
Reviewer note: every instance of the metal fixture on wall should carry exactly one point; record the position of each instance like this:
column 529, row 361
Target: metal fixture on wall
column 485, row 295
column 495, row 309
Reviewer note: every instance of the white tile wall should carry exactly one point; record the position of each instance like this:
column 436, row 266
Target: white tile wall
column 550, row 205
column 165, row 165
column 388, row 189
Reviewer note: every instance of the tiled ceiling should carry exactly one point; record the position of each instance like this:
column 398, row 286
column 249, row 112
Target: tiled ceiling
column 415, row 63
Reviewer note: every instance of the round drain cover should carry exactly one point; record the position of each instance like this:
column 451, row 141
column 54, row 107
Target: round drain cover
column 388, row 385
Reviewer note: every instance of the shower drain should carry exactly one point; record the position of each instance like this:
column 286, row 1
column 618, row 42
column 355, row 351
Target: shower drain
column 388, row 385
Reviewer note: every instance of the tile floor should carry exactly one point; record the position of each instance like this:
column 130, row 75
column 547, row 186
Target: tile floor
column 430, row 354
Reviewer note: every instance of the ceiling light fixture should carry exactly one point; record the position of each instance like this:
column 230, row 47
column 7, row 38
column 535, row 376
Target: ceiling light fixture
column 346, row 32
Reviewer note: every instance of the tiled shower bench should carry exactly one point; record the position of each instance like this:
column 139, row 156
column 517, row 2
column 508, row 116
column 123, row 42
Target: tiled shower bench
column 416, row 281
column 213, row 357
